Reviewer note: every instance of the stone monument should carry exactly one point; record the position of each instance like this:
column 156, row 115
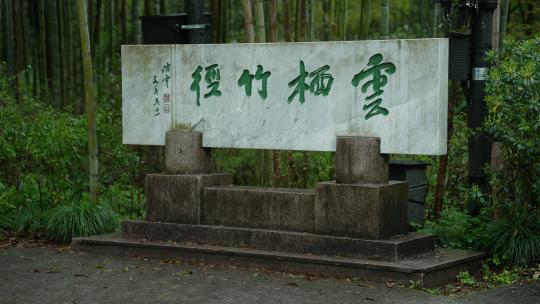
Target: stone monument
column 369, row 99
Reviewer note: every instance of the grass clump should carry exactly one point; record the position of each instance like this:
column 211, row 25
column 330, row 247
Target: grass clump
column 80, row 219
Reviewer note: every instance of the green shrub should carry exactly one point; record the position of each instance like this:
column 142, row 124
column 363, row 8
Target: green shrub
column 513, row 100
column 466, row 279
column 515, row 239
column 457, row 229
column 80, row 219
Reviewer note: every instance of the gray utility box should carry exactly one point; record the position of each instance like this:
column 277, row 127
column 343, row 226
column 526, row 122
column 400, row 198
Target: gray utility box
column 413, row 172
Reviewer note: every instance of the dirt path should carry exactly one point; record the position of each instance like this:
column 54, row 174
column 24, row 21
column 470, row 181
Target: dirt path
column 48, row 275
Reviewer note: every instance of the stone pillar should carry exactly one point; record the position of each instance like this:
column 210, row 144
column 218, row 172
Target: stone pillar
column 359, row 161
column 184, row 153
column 362, row 202
column 176, row 196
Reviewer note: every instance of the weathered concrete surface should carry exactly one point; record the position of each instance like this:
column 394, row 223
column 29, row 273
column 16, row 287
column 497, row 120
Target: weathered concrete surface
column 184, row 154
column 255, row 207
column 49, row 276
column 415, row 95
column 177, row 198
column 359, row 160
column 429, row 270
column 365, row 211
column 294, row 242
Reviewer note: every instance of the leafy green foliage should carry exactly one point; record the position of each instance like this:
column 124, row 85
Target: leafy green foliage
column 457, row 229
column 516, row 240
column 513, row 99
column 294, row 169
column 43, row 156
column 466, row 279
column 80, row 219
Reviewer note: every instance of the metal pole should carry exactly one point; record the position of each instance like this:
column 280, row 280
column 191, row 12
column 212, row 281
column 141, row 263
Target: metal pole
column 479, row 144
column 196, row 26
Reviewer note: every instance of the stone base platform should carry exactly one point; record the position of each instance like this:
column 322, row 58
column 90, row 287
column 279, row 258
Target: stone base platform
column 431, row 270
column 391, row 249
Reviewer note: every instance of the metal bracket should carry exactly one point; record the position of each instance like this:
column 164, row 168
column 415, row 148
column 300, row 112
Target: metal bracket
column 195, row 26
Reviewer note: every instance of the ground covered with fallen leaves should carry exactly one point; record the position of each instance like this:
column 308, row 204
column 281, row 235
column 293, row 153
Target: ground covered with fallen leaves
column 38, row 271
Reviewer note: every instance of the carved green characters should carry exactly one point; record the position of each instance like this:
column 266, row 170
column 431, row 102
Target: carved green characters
column 246, row 80
column 377, row 81
column 321, row 83
column 211, row 77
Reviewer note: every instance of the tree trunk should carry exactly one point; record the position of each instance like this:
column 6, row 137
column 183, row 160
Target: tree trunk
column 249, row 33
column 443, row 159
column 89, row 101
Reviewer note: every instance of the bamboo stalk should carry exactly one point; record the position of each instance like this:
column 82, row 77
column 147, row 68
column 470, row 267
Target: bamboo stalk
column 249, row 31
column 385, row 12
column 303, row 20
column 260, row 33
column 62, row 51
column 342, row 19
column 135, row 23
column 286, row 21
column 435, row 22
column 503, row 24
column 89, row 101
column 364, row 19
column 215, row 20
column 272, row 19
column 297, row 24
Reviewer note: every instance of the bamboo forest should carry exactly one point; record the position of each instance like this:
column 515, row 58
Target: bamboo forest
column 66, row 172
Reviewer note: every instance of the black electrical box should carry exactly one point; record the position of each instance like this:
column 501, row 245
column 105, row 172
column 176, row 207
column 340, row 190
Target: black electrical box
column 414, row 172
column 170, row 29
column 459, row 66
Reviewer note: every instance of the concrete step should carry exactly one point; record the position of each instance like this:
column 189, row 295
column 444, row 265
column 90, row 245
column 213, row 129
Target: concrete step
column 392, row 249
column 257, row 207
column 431, row 270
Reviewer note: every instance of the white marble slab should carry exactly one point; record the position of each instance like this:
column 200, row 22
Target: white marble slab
column 415, row 95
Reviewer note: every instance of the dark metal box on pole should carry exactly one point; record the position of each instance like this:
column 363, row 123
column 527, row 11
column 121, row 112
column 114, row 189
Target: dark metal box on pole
column 414, row 172
column 172, row 29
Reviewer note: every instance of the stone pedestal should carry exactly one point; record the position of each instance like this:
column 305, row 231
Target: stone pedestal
column 176, row 198
column 361, row 210
column 362, row 202
column 359, row 160
column 184, row 154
